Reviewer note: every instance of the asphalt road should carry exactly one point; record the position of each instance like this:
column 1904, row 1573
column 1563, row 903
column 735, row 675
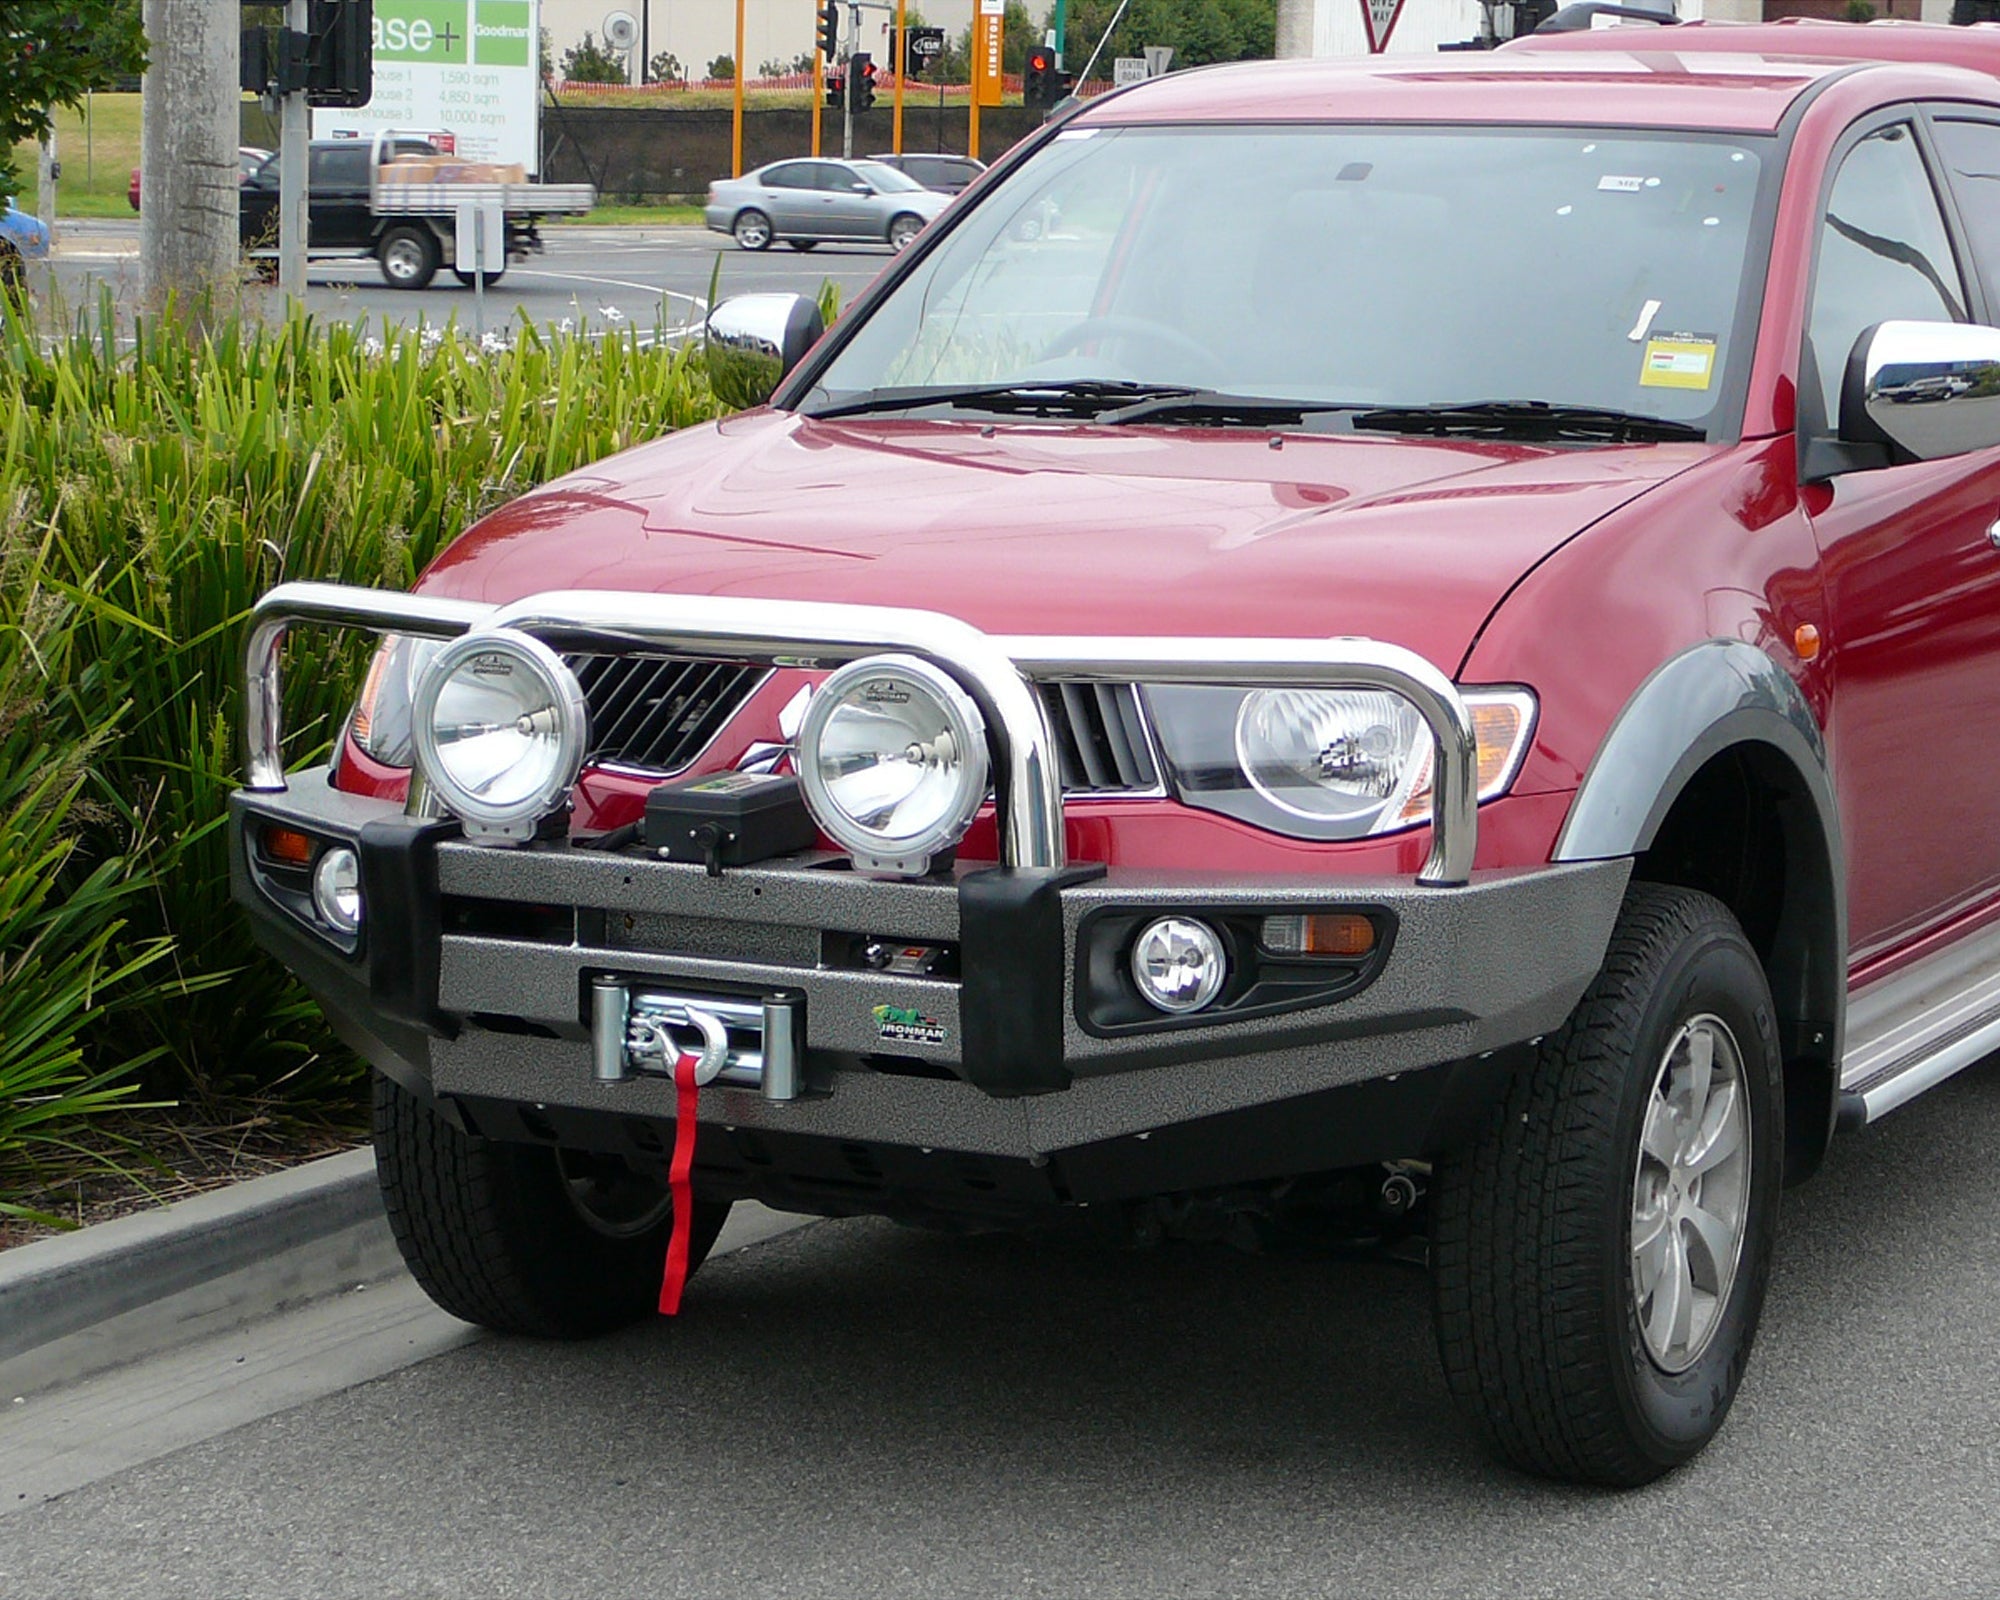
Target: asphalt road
column 856, row 1410
column 588, row 277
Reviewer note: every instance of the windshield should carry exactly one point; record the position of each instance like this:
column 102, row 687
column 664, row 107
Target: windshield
column 887, row 179
column 1365, row 267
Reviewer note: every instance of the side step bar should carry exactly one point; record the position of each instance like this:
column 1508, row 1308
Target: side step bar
column 1912, row 1030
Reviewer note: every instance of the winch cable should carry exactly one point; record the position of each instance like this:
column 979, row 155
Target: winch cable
column 679, row 1184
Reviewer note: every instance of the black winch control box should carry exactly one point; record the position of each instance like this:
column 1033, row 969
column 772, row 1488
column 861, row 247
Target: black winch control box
column 728, row 819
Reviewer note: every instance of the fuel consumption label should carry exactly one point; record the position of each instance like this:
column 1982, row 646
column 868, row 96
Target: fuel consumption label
column 1678, row 361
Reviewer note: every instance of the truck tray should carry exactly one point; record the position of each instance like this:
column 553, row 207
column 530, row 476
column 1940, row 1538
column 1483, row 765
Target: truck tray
column 441, row 199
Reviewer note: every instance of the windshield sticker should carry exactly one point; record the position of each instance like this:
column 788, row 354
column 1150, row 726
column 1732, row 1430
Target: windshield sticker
column 1647, row 312
column 1619, row 185
column 1678, row 361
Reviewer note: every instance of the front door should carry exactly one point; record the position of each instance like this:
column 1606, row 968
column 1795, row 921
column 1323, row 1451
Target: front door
column 1912, row 574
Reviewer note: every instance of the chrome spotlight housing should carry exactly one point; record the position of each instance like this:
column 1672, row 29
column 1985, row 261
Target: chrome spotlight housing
column 500, row 727
column 893, row 762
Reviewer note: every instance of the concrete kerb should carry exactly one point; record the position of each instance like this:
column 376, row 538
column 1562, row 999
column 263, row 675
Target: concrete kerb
column 121, row 1291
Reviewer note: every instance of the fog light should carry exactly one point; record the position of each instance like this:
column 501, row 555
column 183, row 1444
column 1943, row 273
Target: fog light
column 337, row 889
column 1178, row 964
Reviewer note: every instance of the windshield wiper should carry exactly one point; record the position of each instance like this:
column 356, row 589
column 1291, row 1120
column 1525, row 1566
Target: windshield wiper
column 1057, row 397
column 1526, row 419
column 1220, row 409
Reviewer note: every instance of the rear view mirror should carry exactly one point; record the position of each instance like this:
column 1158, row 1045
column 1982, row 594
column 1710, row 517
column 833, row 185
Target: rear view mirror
column 1925, row 389
column 753, row 340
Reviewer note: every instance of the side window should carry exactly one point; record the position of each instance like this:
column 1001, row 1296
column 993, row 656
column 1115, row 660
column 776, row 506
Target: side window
column 1971, row 153
column 838, row 180
column 792, row 175
column 1883, row 254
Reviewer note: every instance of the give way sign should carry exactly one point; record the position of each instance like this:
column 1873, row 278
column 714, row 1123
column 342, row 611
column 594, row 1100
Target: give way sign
column 1379, row 17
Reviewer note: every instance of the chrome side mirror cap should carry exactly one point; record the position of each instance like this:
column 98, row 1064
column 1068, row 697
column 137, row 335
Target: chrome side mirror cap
column 753, row 340
column 1928, row 390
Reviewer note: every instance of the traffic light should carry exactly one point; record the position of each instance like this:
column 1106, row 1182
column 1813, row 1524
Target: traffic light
column 340, row 63
column 836, row 91
column 829, row 28
column 861, row 79
column 1038, row 83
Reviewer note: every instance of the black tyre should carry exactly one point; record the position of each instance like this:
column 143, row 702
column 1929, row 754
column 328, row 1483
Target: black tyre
column 752, row 230
column 903, row 230
column 1599, row 1252
column 409, row 256
column 802, row 245
column 13, row 277
column 468, row 278
column 524, row 1238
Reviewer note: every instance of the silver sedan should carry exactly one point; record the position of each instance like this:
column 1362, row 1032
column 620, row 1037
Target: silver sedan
column 807, row 201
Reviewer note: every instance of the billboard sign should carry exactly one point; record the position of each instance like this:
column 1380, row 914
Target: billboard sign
column 466, row 67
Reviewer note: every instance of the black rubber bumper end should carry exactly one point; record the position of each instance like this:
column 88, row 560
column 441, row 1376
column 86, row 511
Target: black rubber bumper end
column 1013, row 958
column 399, row 886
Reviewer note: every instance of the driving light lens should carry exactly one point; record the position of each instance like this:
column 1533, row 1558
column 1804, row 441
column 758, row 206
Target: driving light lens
column 1333, row 753
column 892, row 758
column 337, row 889
column 1178, row 964
column 499, row 723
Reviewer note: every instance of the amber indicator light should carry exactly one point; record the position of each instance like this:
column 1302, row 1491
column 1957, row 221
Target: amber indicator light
column 1805, row 639
column 1332, row 933
column 287, row 845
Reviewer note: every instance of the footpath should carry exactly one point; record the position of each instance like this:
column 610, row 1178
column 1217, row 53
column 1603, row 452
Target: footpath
column 133, row 1338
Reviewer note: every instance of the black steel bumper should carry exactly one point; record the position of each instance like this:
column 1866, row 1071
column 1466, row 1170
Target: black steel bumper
column 471, row 981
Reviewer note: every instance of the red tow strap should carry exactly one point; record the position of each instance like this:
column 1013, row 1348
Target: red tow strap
column 686, row 1090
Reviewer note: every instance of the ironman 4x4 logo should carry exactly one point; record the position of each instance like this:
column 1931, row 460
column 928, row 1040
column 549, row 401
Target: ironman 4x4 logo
column 907, row 1025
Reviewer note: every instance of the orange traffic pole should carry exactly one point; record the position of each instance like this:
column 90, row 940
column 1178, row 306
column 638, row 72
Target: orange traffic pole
column 736, row 130
column 902, row 44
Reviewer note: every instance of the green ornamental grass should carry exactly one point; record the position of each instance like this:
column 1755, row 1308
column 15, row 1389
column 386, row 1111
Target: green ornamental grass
column 151, row 488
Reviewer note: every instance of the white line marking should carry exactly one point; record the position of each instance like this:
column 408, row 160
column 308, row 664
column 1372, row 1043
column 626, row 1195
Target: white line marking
column 612, row 283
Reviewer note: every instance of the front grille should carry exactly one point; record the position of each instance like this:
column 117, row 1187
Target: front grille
column 1102, row 745
column 657, row 713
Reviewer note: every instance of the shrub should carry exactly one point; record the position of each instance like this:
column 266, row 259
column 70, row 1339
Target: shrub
column 172, row 483
column 64, row 964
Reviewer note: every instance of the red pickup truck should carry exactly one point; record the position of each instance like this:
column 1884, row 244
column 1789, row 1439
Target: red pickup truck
column 1420, row 661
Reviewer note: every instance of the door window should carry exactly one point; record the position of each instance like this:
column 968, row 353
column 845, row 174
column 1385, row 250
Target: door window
column 836, row 179
column 792, row 175
column 1884, row 254
column 1971, row 153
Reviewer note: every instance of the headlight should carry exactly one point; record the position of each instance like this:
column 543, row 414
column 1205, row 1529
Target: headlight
column 381, row 720
column 1325, row 763
column 892, row 758
column 499, row 728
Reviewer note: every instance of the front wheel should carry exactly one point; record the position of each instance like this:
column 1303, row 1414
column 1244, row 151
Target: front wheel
column 522, row 1238
column 1600, row 1250
column 903, row 230
column 409, row 256
column 752, row 230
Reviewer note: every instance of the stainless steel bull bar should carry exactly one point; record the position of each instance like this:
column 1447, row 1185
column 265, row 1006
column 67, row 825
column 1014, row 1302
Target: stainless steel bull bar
column 995, row 670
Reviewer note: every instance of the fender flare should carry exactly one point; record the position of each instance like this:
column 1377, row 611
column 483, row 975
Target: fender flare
column 1720, row 695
